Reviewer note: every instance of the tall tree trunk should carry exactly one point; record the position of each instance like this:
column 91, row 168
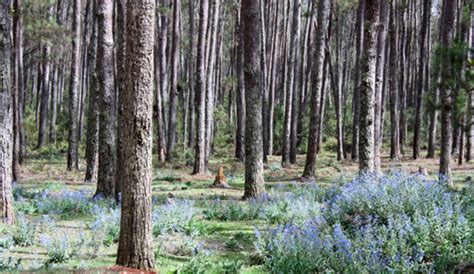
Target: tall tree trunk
column 290, row 87
column 379, row 80
column 191, row 71
column 135, row 248
column 174, row 82
column 446, row 42
column 92, row 131
column 200, row 166
column 6, row 117
column 44, row 105
column 356, row 97
column 18, row 88
column 105, row 74
column 54, row 105
column 240, row 92
column 422, row 73
column 121, row 72
column 470, row 117
column 317, row 70
column 367, row 90
column 394, row 111
column 251, row 25
column 73, row 157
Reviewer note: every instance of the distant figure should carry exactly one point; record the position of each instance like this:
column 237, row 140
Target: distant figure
column 221, row 180
column 423, row 171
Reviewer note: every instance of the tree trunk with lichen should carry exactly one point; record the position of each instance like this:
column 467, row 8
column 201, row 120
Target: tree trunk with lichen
column 367, row 88
column 135, row 247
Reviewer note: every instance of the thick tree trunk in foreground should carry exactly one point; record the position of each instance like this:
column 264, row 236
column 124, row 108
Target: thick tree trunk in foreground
column 105, row 73
column 367, row 88
column 72, row 156
column 446, row 42
column 136, row 240
column 6, row 117
column 200, row 166
column 317, row 70
column 251, row 24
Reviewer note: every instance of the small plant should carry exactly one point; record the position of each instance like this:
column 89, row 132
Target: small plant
column 200, row 263
column 8, row 263
column 59, row 248
column 177, row 216
column 24, row 233
column 232, row 243
column 230, row 266
column 106, row 225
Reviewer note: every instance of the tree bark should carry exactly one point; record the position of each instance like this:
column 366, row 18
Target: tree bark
column 200, row 166
column 240, row 92
column 6, row 117
column 105, row 74
column 73, row 157
column 446, row 42
column 251, row 25
column 135, row 248
column 44, row 105
column 317, row 68
column 368, row 89
column 394, row 101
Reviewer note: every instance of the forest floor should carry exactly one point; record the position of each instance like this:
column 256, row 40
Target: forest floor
column 230, row 238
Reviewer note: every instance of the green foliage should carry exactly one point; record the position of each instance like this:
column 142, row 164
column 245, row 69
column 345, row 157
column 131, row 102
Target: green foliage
column 199, row 263
column 230, row 266
column 59, row 247
column 24, row 232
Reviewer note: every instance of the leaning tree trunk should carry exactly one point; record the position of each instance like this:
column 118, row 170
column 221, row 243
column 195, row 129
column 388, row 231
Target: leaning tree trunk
column 6, row 117
column 135, row 248
column 367, row 88
column 446, row 42
column 105, row 73
column 251, row 26
column 72, row 156
column 318, row 63
column 200, row 166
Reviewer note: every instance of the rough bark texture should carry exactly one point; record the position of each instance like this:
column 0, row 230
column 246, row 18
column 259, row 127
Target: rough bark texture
column 18, row 88
column 72, row 155
column 200, row 166
column 135, row 248
column 446, row 41
column 317, row 71
column 367, row 89
column 470, row 114
column 191, row 71
column 105, row 74
column 251, row 24
column 6, row 117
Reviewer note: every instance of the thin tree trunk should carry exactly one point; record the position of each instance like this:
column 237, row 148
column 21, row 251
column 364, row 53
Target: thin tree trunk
column 73, row 157
column 394, row 114
column 251, row 24
column 105, row 74
column 240, row 92
column 191, row 71
column 317, row 67
column 44, row 105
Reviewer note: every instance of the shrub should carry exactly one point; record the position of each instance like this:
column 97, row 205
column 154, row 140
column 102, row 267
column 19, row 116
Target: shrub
column 200, row 263
column 393, row 223
column 59, row 247
column 24, row 232
column 177, row 216
column 106, row 225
